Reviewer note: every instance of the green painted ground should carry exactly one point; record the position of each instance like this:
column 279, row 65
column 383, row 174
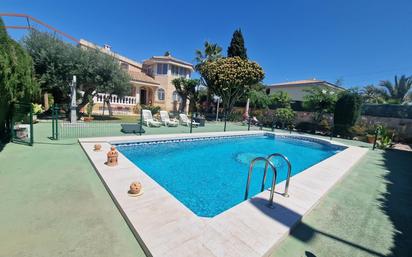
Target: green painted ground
column 53, row 204
column 367, row 214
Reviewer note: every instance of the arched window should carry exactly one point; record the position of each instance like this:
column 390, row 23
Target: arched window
column 161, row 94
column 176, row 97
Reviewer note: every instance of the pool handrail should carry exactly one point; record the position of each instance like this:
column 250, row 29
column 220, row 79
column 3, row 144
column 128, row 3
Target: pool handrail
column 269, row 157
column 272, row 190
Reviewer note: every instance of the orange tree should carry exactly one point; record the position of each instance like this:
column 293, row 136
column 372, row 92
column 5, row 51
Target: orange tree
column 230, row 78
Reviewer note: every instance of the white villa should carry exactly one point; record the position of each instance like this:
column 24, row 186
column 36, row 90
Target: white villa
column 297, row 89
column 151, row 82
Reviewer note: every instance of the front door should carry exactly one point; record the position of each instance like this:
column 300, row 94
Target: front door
column 143, row 96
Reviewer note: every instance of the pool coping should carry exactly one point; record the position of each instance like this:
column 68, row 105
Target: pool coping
column 166, row 227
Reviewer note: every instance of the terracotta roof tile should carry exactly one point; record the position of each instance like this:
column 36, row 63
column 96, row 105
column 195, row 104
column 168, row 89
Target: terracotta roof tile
column 140, row 76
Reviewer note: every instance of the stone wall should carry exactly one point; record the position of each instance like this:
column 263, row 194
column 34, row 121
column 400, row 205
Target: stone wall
column 402, row 126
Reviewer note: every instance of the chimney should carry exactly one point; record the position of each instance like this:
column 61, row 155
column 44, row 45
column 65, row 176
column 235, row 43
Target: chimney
column 107, row 47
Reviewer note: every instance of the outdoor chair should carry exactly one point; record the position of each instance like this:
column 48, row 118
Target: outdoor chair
column 184, row 120
column 148, row 119
column 164, row 117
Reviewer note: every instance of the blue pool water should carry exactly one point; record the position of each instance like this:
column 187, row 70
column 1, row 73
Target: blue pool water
column 209, row 176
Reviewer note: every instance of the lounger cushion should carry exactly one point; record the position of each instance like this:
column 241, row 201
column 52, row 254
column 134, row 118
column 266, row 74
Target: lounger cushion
column 132, row 128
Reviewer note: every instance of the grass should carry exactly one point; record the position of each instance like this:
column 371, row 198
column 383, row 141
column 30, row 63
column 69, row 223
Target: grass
column 53, row 204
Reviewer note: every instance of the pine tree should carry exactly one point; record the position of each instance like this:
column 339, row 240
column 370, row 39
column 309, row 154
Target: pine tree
column 237, row 45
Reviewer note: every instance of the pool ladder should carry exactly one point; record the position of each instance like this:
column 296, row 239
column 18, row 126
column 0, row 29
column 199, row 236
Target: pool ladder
column 268, row 162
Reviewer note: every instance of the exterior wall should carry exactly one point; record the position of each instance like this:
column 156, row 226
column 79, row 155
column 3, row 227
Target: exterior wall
column 149, row 67
column 165, row 82
column 296, row 92
column 403, row 127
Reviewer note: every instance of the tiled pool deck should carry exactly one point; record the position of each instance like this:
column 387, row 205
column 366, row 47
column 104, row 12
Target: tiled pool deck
column 165, row 227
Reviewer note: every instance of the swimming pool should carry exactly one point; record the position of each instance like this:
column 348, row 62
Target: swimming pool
column 208, row 175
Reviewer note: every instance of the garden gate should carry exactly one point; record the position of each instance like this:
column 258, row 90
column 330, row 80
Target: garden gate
column 22, row 123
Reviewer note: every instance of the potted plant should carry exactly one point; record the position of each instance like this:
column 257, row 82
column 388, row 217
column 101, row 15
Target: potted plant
column 89, row 109
column 385, row 137
column 37, row 109
column 370, row 134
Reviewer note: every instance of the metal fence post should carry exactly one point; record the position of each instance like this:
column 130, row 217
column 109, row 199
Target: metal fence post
column 141, row 121
column 53, row 122
column 31, row 125
column 57, row 123
column 376, row 138
column 191, row 122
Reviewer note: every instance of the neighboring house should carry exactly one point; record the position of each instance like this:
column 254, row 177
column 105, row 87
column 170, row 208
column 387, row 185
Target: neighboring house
column 298, row 89
column 151, row 82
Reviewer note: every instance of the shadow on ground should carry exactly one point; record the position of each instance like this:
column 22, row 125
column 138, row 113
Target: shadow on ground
column 353, row 224
column 397, row 201
column 303, row 232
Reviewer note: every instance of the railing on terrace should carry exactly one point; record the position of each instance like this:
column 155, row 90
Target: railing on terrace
column 114, row 99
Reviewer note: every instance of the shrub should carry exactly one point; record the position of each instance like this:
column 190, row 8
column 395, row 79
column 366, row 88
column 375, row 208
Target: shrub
column 266, row 117
column 235, row 116
column 37, row 109
column 347, row 112
column 280, row 100
column 90, row 105
column 384, row 137
column 307, row 127
column 324, row 125
column 285, row 116
column 154, row 109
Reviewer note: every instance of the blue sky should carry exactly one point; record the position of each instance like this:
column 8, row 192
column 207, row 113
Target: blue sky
column 359, row 41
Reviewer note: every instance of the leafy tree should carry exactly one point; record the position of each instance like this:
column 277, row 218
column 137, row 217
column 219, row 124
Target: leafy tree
column 320, row 101
column 258, row 98
column 347, row 112
column 230, row 78
column 237, row 45
column 101, row 73
column 285, row 116
column 397, row 92
column 373, row 95
column 186, row 88
column 55, row 63
column 17, row 82
column 280, row 99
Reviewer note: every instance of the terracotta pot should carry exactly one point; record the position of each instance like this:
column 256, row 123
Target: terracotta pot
column 87, row 119
column 97, row 147
column 371, row 138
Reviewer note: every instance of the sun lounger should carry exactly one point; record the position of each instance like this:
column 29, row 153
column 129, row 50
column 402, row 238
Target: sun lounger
column 164, row 117
column 148, row 119
column 184, row 120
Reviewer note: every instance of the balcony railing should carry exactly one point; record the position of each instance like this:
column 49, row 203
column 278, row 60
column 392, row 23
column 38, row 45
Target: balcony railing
column 114, row 99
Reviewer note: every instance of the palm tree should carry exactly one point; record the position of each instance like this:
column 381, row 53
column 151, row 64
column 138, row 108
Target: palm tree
column 373, row 95
column 398, row 92
column 211, row 52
